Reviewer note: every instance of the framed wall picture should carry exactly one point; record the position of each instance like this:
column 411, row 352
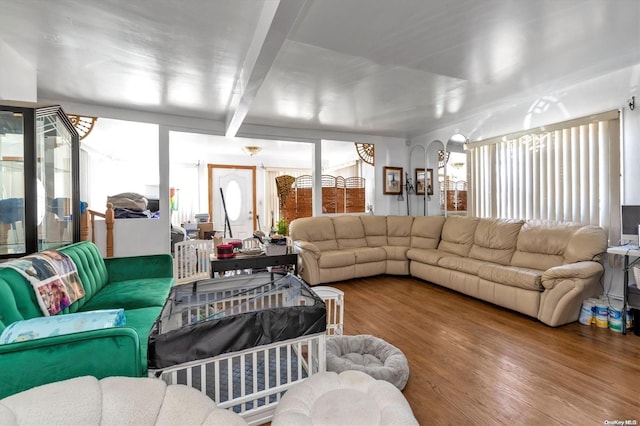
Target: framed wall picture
column 429, row 181
column 392, row 183
column 420, row 181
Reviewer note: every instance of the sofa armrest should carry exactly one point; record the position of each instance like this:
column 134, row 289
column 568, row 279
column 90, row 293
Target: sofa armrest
column 308, row 258
column 579, row 270
column 100, row 353
column 305, row 246
column 135, row 267
column 565, row 288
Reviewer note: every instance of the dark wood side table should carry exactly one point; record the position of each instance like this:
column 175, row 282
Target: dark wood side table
column 254, row 262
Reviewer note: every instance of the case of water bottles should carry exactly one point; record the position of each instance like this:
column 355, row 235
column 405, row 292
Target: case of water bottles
column 604, row 312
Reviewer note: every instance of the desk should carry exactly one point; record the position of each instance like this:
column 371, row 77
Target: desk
column 254, row 262
column 627, row 251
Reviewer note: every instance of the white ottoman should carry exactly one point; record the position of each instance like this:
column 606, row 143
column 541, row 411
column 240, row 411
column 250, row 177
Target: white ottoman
column 348, row 398
column 114, row 401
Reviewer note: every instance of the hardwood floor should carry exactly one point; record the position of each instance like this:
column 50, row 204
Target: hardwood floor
column 475, row 363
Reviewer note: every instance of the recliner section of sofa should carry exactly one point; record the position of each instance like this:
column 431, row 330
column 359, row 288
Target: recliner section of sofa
column 539, row 268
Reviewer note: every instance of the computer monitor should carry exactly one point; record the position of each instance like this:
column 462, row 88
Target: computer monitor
column 630, row 222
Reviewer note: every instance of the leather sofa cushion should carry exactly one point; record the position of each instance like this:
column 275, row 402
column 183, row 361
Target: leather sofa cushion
column 396, row 252
column 457, row 235
column 370, row 254
column 375, row 230
column 425, row 231
column 462, row 264
column 428, row 256
column 541, row 244
column 349, row 232
column 495, row 240
column 530, row 279
column 337, row 259
column 587, row 243
column 316, row 230
column 399, row 230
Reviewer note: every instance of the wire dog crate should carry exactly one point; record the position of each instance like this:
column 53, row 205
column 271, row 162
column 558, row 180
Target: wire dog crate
column 235, row 339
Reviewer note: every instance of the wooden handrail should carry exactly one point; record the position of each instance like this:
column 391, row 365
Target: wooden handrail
column 84, row 224
column 109, row 219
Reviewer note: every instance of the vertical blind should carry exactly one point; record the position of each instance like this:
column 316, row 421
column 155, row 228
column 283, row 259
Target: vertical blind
column 564, row 172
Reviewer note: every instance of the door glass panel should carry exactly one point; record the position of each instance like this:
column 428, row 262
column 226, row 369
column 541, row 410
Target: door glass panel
column 233, row 199
column 11, row 183
column 53, row 151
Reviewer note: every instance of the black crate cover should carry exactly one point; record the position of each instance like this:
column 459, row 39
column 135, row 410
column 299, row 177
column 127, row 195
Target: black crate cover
column 251, row 315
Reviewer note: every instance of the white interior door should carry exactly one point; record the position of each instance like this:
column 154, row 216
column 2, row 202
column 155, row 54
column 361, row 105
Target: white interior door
column 238, row 187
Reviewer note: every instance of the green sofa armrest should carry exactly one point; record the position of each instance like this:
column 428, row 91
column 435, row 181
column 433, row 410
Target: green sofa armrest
column 136, row 267
column 100, row 353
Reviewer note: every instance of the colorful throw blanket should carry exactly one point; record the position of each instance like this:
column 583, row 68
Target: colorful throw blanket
column 53, row 276
column 38, row 328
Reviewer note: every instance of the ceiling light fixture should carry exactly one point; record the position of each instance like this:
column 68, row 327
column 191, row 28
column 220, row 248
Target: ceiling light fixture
column 252, row 149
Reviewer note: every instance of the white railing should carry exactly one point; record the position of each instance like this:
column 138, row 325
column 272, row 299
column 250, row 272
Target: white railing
column 192, row 261
column 251, row 382
column 334, row 301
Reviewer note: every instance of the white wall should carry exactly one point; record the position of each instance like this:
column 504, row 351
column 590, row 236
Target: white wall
column 133, row 237
column 389, row 152
column 18, row 75
column 609, row 92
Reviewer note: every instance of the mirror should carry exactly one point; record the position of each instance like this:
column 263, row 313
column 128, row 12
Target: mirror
column 455, row 176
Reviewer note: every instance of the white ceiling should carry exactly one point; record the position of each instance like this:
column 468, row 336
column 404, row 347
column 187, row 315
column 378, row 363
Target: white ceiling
column 391, row 68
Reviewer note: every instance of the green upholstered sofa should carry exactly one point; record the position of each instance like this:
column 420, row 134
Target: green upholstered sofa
column 139, row 285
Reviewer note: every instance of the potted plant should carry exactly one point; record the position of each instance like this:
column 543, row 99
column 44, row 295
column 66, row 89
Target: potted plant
column 282, row 227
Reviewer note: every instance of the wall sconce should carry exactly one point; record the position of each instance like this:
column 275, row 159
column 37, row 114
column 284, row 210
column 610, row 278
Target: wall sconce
column 252, row 149
column 443, row 157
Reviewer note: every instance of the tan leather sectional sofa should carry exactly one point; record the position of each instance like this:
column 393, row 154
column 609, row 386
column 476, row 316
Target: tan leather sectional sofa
column 541, row 269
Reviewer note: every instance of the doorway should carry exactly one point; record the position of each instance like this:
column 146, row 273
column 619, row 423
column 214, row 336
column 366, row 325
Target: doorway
column 232, row 199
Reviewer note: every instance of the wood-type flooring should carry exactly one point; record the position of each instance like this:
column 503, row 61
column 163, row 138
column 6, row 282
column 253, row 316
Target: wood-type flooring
column 473, row 363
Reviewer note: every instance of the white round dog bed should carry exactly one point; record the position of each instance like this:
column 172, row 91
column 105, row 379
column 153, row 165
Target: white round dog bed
column 369, row 354
column 348, row 398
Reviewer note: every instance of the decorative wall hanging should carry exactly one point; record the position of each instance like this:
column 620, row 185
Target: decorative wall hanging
column 83, row 124
column 366, row 151
column 392, row 183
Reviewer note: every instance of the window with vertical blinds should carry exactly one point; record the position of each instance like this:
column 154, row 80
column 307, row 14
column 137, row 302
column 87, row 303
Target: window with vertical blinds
column 564, row 172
